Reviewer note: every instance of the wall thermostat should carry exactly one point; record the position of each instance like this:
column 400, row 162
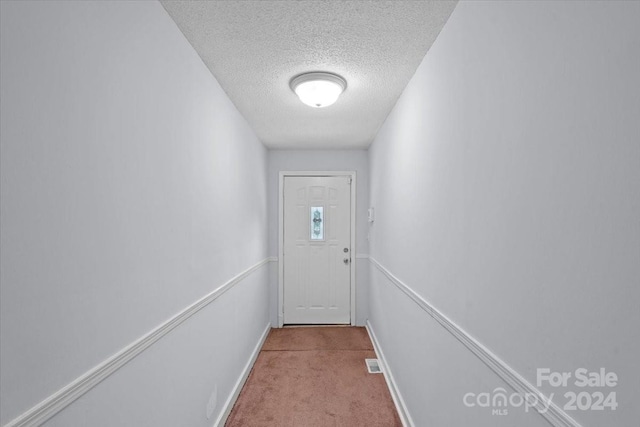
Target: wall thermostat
column 370, row 214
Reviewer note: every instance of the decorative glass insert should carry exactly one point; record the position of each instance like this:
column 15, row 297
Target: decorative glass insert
column 317, row 222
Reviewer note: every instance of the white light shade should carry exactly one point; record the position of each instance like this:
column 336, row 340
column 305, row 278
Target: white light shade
column 318, row 89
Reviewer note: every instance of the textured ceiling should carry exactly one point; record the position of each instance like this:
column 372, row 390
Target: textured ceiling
column 254, row 48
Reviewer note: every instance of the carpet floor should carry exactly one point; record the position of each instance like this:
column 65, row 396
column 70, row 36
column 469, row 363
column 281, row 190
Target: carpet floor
column 314, row 377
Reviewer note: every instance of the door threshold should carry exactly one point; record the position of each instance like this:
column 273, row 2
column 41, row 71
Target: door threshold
column 328, row 325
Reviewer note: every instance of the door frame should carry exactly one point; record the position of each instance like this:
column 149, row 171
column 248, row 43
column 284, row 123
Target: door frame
column 282, row 175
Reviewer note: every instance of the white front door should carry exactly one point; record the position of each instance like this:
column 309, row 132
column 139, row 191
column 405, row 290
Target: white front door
column 317, row 250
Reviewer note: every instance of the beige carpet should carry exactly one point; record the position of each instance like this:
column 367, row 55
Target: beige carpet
column 314, row 377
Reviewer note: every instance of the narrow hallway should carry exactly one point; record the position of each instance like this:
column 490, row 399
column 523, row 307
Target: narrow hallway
column 180, row 177
column 314, row 376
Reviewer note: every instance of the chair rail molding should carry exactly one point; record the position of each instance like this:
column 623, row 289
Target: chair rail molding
column 554, row 414
column 59, row 400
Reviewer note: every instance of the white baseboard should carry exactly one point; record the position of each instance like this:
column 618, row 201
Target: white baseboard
column 228, row 406
column 401, row 407
column 554, row 415
column 55, row 403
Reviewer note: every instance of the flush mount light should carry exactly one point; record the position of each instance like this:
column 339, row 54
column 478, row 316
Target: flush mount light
column 318, row 89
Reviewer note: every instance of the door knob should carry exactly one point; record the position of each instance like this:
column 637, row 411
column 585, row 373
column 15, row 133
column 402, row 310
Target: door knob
column 346, row 260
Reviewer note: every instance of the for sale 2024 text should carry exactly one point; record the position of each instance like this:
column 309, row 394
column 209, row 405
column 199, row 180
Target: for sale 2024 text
column 596, row 400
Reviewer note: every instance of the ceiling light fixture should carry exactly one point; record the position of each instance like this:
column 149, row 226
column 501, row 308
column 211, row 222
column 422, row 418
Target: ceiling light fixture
column 318, row 89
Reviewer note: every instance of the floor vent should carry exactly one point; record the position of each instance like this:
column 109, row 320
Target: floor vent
column 372, row 366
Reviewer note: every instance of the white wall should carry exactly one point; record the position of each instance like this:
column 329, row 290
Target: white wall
column 505, row 183
column 323, row 160
column 131, row 187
